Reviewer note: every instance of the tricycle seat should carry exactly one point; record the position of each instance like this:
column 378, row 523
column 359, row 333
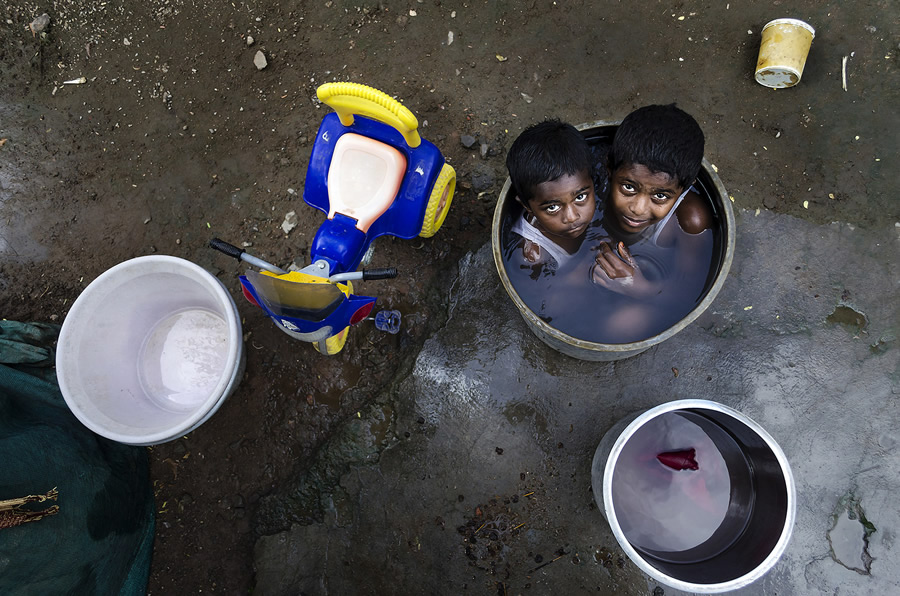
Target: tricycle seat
column 363, row 179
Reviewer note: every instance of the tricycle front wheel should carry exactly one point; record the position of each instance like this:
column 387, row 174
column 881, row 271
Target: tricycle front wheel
column 439, row 202
column 332, row 345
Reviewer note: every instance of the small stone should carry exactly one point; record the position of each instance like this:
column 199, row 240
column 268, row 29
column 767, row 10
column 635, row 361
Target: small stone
column 179, row 450
column 290, row 222
column 260, row 60
column 467, row 141
column 482, row 178
column 484, row 150
column 250, row 40
column 38, row 25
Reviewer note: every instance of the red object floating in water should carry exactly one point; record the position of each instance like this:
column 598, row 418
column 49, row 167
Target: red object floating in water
column 679, row 460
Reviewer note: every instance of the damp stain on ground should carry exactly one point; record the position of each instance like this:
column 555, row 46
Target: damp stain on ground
column 849, row 535
column 850, row 318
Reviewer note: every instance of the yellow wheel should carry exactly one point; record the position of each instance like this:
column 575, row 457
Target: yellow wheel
column 439, row 202
column 333, row 344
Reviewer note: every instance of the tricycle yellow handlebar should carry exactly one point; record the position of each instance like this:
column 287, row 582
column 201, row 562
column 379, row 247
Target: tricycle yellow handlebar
column 348, row 99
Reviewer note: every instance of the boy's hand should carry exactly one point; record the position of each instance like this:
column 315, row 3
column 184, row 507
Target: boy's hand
column 531, row 252
column 619, row 272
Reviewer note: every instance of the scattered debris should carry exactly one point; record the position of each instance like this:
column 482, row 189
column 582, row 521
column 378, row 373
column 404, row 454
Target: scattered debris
column 38, row 25
column 126, row 41
column 290, row 222
column 250, row 40
column 260, row 60
column 501, row 58
column 527, row 98
column 78, row 81
column 449, row 37
column 844, row 73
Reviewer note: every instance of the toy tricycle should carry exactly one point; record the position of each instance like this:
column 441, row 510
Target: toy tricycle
column 372, row 174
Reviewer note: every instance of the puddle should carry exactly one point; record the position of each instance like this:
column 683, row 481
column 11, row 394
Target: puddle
column 849, row 536
column 852, row 319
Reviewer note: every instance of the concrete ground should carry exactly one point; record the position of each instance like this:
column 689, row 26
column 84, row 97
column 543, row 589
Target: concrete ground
column 495, row 429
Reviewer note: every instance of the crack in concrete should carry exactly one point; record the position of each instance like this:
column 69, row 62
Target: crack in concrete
column 845, row 536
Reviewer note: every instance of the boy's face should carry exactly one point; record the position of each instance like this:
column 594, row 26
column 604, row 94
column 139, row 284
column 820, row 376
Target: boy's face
column 641, row 197
column 563, row 207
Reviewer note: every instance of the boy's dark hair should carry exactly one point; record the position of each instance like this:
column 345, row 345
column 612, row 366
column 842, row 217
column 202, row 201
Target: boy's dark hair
column 544, row 152
column 663, row 138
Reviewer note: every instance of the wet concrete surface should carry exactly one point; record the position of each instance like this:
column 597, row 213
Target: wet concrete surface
column 487, row 477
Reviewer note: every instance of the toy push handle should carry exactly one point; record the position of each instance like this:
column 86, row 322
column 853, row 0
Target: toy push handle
column 379, row 273
column 229, row 249
column 348, row 99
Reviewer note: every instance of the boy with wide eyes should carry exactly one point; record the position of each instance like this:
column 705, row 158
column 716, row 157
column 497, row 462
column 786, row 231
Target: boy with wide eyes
column 550, row 169
column 656, row 155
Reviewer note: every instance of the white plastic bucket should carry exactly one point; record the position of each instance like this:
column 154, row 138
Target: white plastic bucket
column 150, row 350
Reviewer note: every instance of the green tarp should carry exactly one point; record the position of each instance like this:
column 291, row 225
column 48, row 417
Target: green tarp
column 101, row 539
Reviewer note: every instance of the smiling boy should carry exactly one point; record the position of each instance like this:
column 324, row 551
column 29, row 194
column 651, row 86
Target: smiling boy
column 550, row 169
column 656, row 155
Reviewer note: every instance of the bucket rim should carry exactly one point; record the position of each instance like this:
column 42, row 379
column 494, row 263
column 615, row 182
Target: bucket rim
column 217, row 395
column 790, row 21
column 631, row 348
column 761, row 73
column 638, row 559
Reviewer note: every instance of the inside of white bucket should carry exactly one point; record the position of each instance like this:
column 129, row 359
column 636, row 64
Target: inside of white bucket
column 183, row 359
column 670, row 511
column 148, row 349
column 733, row 544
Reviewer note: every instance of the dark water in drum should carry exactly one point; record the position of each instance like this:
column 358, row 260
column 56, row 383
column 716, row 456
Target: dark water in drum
column 564, row 296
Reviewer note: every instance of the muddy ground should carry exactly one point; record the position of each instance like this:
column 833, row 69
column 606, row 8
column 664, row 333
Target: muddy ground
column 176, row 137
